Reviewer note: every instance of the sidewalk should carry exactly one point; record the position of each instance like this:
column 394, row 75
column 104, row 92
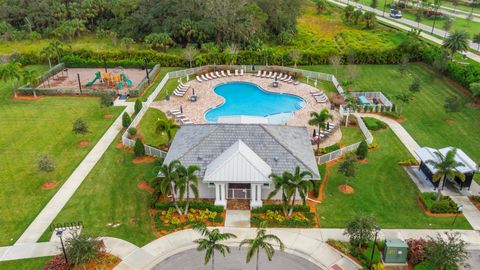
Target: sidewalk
column 60, row 199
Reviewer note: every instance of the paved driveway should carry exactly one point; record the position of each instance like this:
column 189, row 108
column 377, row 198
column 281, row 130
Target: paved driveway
column 192, row 259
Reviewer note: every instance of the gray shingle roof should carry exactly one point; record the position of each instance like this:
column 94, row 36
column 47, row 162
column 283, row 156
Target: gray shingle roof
column 281, row 147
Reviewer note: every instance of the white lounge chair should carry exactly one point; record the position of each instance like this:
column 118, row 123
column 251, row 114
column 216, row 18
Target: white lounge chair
column 318, row 94
column 236, row 72
column 274, row 75
column 259, row 73
column 181, row 84
column 173, row 112
column 287, row 79
column 198, row 79
column 203, row 77
column 218, row 74
column 223, row 73
column 213, row 75
column 279, row 76
column 264, row 74
column 241, row 72
column 208, row 77
column 269, row 74
column 186, row 121
column 228, row 73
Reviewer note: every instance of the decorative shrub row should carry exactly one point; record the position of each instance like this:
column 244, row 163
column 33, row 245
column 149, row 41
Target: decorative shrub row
column 276, row 219
column 445, row 205
column 169, row 220
column 278, row 207
column 193, row 205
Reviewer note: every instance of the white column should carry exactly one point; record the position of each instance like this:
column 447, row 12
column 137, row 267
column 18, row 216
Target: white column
column 256, row 200
column 220, row 195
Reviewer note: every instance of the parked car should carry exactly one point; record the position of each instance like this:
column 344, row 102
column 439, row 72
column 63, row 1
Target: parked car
column 395, row 13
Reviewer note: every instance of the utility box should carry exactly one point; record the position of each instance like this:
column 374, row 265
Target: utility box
column 395, row 251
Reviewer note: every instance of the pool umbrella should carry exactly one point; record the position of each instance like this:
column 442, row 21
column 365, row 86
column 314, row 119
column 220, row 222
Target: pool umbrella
column 314, row 133
column 181, row 109
column 193, row 91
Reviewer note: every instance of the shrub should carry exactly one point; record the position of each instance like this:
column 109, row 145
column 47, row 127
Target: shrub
column 452, row 104
column 56, row 263
column 360, row 230
column 362, row 150
column 367, row 253
column 445, row 205
column 328, row 149
column 139, row 148
column 82, row 249
column 45, row 164
column 415, row 86
column 373, row 124
column 80, row 126
column 138, row 106
column 392, row 114
column 193, row 205
column 416, row 250
column 106, row 100
column 132, row 131
column 126, row 120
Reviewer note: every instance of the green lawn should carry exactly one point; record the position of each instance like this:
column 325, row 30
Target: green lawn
column 156, row 82
column 110, row 195
column 32, row 128
column 426, row 119
column 168, row 89
column 351, row 135
column 31, row 264
column 383, row 189
column 147, row 128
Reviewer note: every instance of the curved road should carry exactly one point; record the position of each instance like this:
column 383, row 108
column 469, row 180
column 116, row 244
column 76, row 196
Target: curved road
column 193, row 260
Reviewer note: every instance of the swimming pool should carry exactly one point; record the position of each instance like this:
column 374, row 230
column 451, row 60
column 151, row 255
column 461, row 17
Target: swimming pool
column 248, row 99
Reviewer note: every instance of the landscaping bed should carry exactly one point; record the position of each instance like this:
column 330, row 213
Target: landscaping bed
column 273, row 216
column 374, row 124
column 475, row 199
column 167, row 220
column 360, row 255
column 445, row 206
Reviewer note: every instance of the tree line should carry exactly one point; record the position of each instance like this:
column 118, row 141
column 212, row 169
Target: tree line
column 248, row 23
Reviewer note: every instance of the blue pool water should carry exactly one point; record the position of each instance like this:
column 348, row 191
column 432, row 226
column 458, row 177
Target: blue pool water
column 249, row 99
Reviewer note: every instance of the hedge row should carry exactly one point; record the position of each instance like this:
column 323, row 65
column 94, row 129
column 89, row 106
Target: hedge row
column 193, row 205
column 278, row 207
column 445, row 205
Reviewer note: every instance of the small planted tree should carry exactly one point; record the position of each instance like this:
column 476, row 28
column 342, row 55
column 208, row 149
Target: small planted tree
column 447, row 251
column 132, row 132
column 415, row 86
column 402, row 66
column 362, row 150
column 139, row 148
column 106, row 100
column 138, row 106
column 80, row 126
column 348, row 167
column 452, row 104
column 126, row 120
column 360, row 230
column 45, row 164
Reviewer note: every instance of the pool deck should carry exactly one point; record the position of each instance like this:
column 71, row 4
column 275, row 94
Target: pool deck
column 207, row 99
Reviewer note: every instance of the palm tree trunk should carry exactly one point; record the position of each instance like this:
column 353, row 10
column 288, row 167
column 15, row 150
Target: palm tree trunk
column 257, row 257
column 439, row 191
column 293, row 203
column 188, row 199
column 49, row 62
column 284, row 203
column 175, row 199
column 318, row 139
column 213, row 259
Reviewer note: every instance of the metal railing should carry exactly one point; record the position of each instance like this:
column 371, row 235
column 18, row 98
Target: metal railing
column 377, row 95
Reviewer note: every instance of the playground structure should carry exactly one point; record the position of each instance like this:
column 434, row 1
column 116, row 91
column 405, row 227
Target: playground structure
column 117, row 79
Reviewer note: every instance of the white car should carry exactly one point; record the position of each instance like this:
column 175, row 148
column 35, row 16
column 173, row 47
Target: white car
column 395, row 13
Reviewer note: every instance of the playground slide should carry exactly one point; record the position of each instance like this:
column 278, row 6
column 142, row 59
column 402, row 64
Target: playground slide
column 120, row 85
column 97, row 76
column 125, row 79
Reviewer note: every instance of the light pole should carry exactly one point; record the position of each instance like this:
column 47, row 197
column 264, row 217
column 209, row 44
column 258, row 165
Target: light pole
column 437, row 5
column 384, row 6
column 377, row 230
column 459, row 209
column 146, row 69
column 59, row 233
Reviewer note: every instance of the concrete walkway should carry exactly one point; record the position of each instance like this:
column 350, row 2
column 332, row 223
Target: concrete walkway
column 58, row 201
column 408, row 25
column 237, row 218
column 399, row 130
column 470, row 211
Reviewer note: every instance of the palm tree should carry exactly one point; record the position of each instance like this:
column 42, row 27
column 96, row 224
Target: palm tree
column 456, row 41
column 210, row 242
column 232, row 51
column 31, row 79
column 348, row 167
column 169, row 127
column 297, row 183
column 319, row 119
column 370, row 19
column 170, row 179
column 49, row 52
column 445, row 168
column 188, row 180
column 57, row 47
column 11, row 71
column 261, row 241
column 281, row 183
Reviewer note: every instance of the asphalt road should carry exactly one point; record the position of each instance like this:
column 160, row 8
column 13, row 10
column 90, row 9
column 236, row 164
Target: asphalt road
column 193, row 260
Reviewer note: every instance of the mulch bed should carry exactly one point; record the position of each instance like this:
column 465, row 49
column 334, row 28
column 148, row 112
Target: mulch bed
column 427, row 212
column 346, row 189
column 108, row 115
column 83, row 144
column 27, row 97
column 348, row 255
column 144, row 159
column 363, row 161
column 143, row 185
column 477, row 204
column 50, row 184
